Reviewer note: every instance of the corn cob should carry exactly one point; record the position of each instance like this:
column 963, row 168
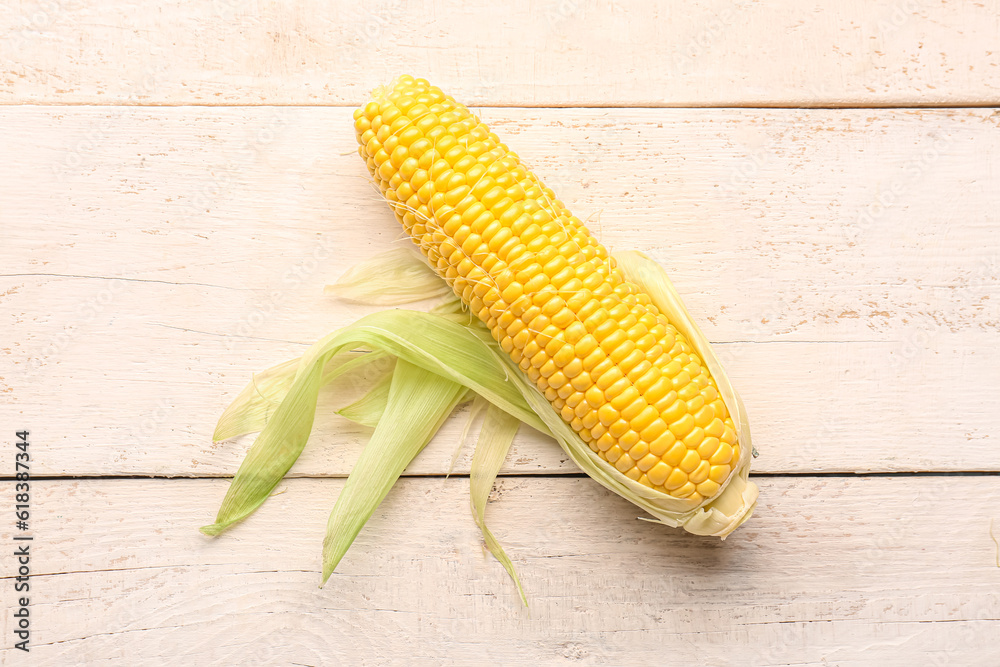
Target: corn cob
column 616, row 370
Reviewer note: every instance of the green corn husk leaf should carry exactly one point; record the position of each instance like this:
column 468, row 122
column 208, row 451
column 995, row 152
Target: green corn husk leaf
column 418, row 403
column 250, row 410
column 478, row 405
column 434, row 343
column 495, row 439
column 368, row 409
column 395, row 277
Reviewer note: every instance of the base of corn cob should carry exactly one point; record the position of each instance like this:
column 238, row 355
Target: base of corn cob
column 613, row 366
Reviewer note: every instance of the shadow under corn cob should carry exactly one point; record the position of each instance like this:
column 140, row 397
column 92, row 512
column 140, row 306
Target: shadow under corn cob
column 613, row 366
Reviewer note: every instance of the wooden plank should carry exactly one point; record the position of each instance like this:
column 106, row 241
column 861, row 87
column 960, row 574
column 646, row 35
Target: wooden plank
column 845, row 571
column 522, row 53
column 845, row 263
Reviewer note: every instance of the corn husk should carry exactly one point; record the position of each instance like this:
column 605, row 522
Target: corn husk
column 495, row 439
column 418, row 402
column 391, row 278
column 454, row 357
column 437, row 343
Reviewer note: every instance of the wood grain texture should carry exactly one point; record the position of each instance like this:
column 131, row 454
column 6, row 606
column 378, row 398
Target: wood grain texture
column 845, row 571
column 521, row 53
column 845, row 264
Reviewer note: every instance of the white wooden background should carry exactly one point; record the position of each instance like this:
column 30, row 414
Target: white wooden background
column 822, row 181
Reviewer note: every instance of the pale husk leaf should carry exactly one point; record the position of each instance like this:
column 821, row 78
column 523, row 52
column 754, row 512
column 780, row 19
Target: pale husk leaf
column 418, row 403
column 495, row 439
column 368, row 409
column 394, row 277
column 251, row 409
column 435, row 343
column 478, row 405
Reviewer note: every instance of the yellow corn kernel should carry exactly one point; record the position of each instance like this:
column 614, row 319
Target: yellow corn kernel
column 645, row 418
column 618, row 428
column 719, row 473
column 647, row 462
column 724, row 454
column 676, row 480
column 708, row 447
column 690, row 461
column 675, row 454
column 658, row 473
column 708, row 488
column 631, row 440
column 684, row 491
column 677, row 410
column 605, row 442
column 613, row 453
column 653, row 431
column 704, row 416
column 715, row 429
column 661, row 444
column 694, row 438
column 679, row 428
column 700, row 473
column 639, row 449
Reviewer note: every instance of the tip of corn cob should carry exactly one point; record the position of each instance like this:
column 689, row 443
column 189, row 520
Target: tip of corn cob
column 727, row 511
